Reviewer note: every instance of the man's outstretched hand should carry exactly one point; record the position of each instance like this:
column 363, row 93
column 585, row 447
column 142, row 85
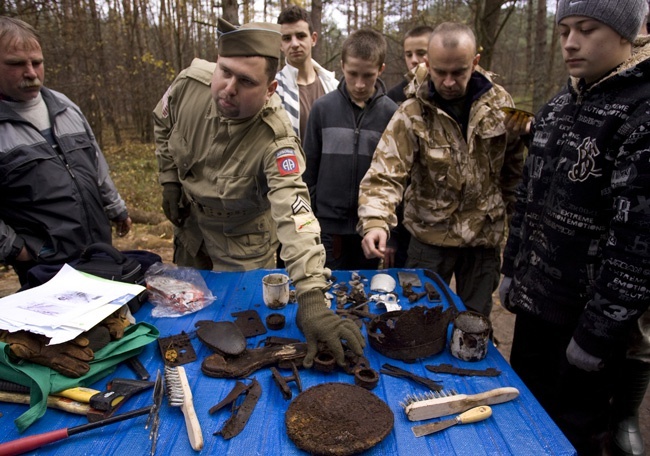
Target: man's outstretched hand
column 374, row 243
column 318, row 323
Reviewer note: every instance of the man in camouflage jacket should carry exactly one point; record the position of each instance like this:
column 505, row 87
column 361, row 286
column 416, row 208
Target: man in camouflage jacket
column 446, row 152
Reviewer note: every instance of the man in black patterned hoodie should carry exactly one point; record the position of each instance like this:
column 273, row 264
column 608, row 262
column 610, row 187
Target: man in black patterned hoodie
column 577, row 262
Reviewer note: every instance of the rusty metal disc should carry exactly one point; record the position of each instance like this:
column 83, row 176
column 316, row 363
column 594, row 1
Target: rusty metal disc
column 337, row 419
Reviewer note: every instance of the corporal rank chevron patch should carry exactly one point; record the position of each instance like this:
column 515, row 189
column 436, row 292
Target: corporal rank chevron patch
column 300, row 205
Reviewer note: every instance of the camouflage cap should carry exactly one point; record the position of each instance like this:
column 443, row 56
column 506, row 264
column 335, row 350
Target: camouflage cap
column 254, row 38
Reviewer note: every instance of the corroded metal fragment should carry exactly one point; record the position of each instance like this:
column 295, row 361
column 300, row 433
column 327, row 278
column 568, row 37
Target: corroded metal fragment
column 337, row 419
column 221, row 336
column 253, row 359
column 410, row 334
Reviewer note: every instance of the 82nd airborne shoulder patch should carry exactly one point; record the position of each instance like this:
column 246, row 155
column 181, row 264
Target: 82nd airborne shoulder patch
column 287, row 161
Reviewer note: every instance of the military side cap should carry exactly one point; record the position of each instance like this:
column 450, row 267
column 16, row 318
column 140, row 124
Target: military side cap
column 254, row 38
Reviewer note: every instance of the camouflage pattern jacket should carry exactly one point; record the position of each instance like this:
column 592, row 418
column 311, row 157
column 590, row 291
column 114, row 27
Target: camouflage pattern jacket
column 456, row 192
column 579, row 243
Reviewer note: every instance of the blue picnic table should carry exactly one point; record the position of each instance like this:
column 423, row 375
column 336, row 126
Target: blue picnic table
column 518, row 427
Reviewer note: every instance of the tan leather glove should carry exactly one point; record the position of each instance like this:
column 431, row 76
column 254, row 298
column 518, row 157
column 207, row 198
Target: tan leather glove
column 318, row 323
column 116, row 324
column 69, row 358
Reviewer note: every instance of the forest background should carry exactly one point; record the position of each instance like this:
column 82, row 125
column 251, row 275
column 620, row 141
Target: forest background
column 116, row 58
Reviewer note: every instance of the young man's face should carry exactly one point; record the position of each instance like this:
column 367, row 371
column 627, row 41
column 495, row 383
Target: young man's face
column 297, row 42
column 240, row 86
column 21, row 70
column 590, row 48
column 415, row 50
column 451, row 68
column 360, row 78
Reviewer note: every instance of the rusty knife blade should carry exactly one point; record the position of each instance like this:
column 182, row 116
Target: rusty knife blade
column 430, row 428
column 471, row 416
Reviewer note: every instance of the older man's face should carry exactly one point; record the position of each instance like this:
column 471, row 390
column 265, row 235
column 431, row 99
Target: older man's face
column 240, row 86
column 451, row 68
column 21, row 70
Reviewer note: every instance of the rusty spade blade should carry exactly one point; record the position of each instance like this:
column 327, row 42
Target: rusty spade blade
column 409, row 278
column 471, row 416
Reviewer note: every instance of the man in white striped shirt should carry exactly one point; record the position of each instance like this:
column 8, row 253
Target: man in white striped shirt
column 302, row 80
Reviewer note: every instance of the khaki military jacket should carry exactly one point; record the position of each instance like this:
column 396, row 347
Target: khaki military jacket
column 456, row 192
column 244, row 175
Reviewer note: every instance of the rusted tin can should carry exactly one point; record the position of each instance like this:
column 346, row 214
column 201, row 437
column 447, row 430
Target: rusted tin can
column 470, row 336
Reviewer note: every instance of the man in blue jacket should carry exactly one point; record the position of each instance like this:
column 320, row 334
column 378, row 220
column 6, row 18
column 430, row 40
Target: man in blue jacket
column 57, row 195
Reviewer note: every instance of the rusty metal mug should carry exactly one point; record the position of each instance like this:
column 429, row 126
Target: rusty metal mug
column 470, row 336
column 275, row 290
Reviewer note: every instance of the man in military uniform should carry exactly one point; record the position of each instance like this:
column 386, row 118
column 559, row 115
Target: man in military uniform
column 450, row 140
column 231, row 168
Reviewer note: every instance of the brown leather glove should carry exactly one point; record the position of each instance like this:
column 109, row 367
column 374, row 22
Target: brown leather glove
column 69, row 358
column 116, row 324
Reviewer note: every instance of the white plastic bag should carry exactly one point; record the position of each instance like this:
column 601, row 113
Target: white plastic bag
column 175, row 291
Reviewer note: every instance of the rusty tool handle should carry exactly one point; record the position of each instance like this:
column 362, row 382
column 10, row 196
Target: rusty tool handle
column 61, row 403
column 449, row 369
column 136, row 365
column 20, row 446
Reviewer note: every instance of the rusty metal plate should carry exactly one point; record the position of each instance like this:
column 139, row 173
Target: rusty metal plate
column 176, row 350
column 337, row 419
column 249, row 323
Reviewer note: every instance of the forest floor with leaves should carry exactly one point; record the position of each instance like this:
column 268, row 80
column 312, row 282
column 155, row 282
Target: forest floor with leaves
column 134, row 171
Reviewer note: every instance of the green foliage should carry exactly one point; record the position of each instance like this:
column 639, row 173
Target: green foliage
column 135, row 173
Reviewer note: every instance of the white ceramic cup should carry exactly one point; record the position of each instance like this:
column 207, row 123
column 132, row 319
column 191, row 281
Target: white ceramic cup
column 275, row 290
